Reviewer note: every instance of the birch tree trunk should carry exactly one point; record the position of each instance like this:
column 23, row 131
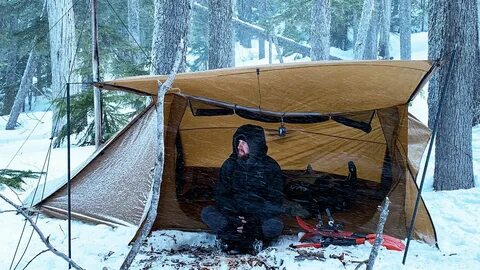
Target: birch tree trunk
column 363, row 28
column 452, row 28
column 384, row 43
column 63, row 45
column 220, row 34
column 171, row 21
column 25, row 85
column 405, row 14
column 320, row 30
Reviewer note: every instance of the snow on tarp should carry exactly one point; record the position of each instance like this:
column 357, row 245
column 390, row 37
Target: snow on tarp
column 123, row 165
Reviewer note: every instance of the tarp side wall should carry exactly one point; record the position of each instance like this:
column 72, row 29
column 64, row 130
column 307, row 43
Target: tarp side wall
column 103, row 189
column 169, row 213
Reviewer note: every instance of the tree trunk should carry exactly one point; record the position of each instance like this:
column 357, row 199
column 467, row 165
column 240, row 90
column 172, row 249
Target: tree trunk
column 171, row 21
column 244, row 8
column 355, row 24
column 25, row 85
column 63, row 46
column 451, row 28
column 384, row 44
column 363, row 28
column 437, row 13
column 134, row 21
column 320, row 30
column 9, row 85
column 220, row 39
column 476, row 95
column 405, row 14
column 371, row 44
column 262, row 7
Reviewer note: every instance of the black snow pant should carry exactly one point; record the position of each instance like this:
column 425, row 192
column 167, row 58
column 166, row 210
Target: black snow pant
column 225, row 227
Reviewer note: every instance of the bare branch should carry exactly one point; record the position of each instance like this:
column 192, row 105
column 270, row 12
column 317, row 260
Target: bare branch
column 158, row 172
column 379, row 232
column 42, row 236
column 41, row 252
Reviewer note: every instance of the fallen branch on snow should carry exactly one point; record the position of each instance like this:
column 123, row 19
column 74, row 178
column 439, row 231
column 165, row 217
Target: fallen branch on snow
column 379, row 232
column 42, row 236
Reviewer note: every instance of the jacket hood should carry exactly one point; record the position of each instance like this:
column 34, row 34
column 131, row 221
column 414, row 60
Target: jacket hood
column 255, row 138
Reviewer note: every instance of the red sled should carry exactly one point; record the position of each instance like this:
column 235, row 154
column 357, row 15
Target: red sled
column 389, row 242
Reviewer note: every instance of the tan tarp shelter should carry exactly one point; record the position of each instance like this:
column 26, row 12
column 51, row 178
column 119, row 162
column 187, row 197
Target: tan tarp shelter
column 334, row 112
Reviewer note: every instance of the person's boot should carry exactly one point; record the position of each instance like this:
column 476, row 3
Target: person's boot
column 257, row 247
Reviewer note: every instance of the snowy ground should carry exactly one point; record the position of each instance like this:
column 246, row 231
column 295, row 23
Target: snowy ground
column 454, row 214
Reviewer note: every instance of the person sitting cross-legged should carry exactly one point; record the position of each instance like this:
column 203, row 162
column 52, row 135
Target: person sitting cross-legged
column 249, row 195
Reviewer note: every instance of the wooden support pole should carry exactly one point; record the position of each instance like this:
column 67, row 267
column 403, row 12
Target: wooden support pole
column 97, row 94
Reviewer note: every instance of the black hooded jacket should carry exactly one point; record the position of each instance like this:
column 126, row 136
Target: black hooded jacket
column 250, row 186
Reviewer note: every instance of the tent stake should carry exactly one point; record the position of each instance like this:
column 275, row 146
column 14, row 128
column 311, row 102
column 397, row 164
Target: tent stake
column 434, row 132
column 68, row 180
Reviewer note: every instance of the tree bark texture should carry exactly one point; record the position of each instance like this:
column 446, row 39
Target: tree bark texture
column 134, row 21
column 452, row 27
column 476, row 96
column 384, row 43
column 63, row 45
column 25, row 85
column 371, row 44
column 437, row 14
column 220, row 34
column 405, row 14
column 171, row 21
column 320, row 30
column 363, row 27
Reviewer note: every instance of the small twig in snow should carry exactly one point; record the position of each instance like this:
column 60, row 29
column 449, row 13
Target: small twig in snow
column 41, row 252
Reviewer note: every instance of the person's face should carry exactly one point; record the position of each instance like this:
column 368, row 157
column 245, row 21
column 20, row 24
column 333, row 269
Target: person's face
column 242, row 148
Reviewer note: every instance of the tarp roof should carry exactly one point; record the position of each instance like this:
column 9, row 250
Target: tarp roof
column 321, row 87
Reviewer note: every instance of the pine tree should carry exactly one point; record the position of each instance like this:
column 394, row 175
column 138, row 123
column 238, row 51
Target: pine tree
column 364, row 26
column 220, row 33
column 453, row 26
column 63, row 47
column 405, row 14
column 320, row 33
column 170, row 22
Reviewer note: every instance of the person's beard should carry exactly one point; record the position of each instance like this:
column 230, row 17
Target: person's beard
column 243, row 157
